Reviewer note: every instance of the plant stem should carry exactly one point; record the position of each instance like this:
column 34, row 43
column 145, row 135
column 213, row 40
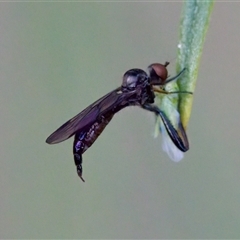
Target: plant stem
column 193, row 27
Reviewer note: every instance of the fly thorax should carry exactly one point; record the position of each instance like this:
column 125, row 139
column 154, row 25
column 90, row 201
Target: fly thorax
column 133, row 79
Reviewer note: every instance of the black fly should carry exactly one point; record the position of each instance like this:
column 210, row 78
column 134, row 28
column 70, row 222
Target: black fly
column 137, row 89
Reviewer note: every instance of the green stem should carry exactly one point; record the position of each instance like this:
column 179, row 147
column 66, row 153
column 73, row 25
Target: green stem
column 193, row 28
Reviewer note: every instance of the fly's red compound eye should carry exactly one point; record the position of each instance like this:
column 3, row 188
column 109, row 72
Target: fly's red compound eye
column 158, row 71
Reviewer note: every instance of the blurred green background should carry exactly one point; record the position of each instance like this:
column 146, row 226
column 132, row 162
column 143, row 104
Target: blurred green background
column 56, row 59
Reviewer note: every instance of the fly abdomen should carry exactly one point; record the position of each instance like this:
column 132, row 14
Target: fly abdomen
column 83, row 140
column 95, row 130
column 78, row 148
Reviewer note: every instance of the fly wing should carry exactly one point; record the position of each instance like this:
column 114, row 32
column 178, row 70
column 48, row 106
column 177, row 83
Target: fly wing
column 87, row 117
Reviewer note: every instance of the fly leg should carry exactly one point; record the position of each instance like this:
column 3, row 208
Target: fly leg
column 172, row 132
column 78, row 148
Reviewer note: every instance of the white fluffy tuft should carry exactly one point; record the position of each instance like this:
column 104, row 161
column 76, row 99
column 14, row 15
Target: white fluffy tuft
column 169, row 147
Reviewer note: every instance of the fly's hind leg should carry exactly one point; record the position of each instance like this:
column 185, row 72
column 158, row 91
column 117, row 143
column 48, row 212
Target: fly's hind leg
column 78, row 147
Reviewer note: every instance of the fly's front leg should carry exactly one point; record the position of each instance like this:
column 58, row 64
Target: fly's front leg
column 160, row 90
column 78, row 148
